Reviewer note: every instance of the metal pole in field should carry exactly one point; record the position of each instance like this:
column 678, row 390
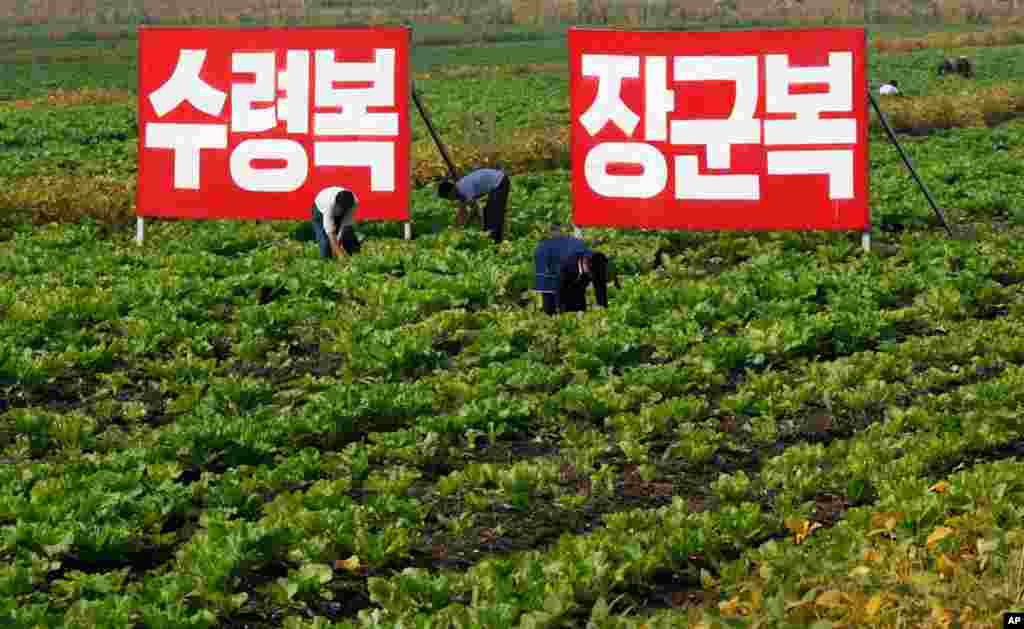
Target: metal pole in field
column 433, row 133
column 437, row 140
column 906, row 160
column 140, row 229
column 865, row 241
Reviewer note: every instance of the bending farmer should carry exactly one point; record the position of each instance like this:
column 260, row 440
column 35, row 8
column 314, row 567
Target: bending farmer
column 333, row 218
column 564, row 267
column 485, row 181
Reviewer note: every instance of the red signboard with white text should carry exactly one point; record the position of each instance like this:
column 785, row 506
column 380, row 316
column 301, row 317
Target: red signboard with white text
column 253, row 123
column 758, row 130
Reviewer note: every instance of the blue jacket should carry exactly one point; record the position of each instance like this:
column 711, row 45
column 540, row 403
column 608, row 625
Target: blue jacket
column 548, row 259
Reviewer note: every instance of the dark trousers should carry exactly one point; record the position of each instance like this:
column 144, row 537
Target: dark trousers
column 347, row 236
column 494, row 211
column 572, row 288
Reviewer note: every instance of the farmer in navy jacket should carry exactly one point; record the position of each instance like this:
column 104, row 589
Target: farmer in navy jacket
column 564, row 268
column 485, row 181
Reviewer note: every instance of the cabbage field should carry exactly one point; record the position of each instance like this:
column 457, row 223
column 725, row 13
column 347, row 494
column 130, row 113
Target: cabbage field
column 219, row 429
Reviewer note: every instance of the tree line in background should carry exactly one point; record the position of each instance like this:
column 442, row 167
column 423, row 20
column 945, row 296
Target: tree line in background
column 504, row 12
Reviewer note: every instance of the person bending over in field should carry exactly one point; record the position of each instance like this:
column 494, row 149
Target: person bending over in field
column 564, row 267
column 485, row 181
column 333, row 221
column 961, row 65
column 889, row 88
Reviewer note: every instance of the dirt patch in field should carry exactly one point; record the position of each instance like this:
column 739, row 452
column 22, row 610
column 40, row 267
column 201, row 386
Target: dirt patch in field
column 74, row 97
column 972, row 458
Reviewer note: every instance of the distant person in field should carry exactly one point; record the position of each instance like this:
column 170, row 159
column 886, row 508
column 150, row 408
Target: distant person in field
column 889, row 88
column 961, row 65
column 564, row 267
column 485, row 181
column 334, row 222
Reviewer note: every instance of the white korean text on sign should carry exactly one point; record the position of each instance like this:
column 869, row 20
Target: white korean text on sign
column 736, row 130
column 253, row 123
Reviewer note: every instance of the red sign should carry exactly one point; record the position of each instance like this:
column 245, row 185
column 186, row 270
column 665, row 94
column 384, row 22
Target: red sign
column 731, row 130
column 253, row 123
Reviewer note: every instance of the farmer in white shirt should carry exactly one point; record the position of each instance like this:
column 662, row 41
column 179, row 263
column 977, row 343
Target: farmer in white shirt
column 333, row 218
column 485, row 181
column 889, row 89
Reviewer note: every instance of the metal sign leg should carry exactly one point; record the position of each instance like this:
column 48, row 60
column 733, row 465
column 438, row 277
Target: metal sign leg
column 906, row 161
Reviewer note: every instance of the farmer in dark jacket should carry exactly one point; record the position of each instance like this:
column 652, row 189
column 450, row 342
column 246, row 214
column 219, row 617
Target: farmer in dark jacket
column 333, row 219
column 961, row 65
column 485, row 181
column 564, row 267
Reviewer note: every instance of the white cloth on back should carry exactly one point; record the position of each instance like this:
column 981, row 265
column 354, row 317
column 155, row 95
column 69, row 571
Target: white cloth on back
column 887, row 90
column 331, row 212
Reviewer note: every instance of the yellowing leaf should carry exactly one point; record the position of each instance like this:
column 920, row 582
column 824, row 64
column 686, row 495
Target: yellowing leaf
column 795, row 524
column 874, row 605
column 942, row 617
column 886, row 520
column 860, row 571
column 986, row 546
column 872, row 555
column 938, row 535
column 940, row 487
column 967, row 614
column 755, row 600
column 351, row 564
column 801, row 529
column 946, row 566
column 731, row 607
column 831, row 598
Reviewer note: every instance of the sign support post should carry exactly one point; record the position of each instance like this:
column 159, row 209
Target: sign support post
column 140, row 229
column 907, row 162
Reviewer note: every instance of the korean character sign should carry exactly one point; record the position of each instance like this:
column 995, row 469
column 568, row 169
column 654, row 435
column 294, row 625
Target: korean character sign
column 746, row 130
column 253, row 123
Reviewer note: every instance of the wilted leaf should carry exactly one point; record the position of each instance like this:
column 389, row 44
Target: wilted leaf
column 943, row 617
column 874, row 605
column 755, row 600
column 946, row 566
column 886, row 520
column 731, row 607
column 831, row 598
column 801, row 529
column 940, row 487
column 351, row 564
column 872, row 555
column 985, row 550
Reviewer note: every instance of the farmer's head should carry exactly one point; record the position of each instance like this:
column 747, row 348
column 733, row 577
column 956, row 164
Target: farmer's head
column 345, row 200
column 556, row 230
column 446, row 190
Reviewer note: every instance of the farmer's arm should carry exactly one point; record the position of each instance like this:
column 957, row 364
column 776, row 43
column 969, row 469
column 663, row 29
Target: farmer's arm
column 464, row 207
column 338, row 250
column 332, row 236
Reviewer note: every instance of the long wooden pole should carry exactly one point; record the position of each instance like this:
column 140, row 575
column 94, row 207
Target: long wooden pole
column 441, row 147
column 433, row 133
